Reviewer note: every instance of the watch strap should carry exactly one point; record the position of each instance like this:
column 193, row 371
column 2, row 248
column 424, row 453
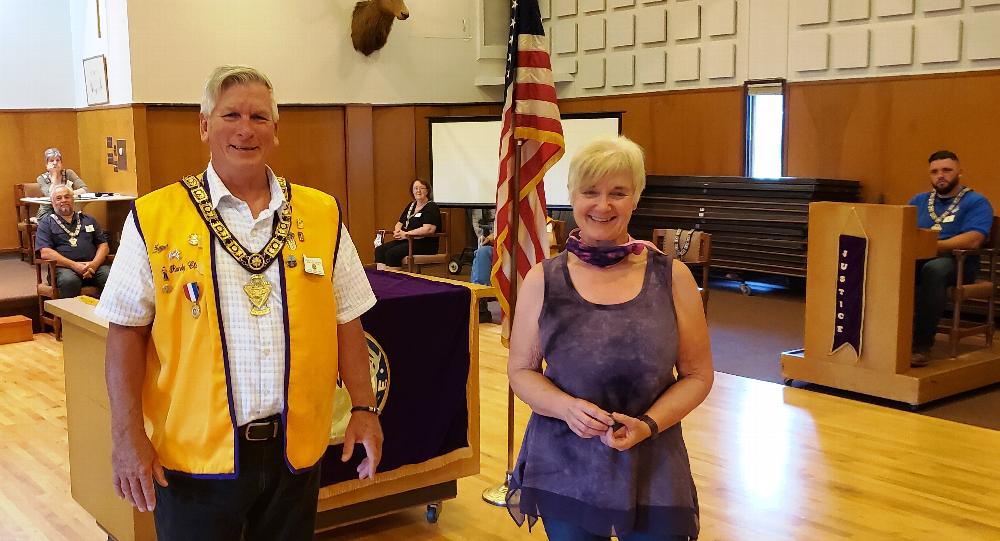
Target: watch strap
column 369, row 409
column 653, row 427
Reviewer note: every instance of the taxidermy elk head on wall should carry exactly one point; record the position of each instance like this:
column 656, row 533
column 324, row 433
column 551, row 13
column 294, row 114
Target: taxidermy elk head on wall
column 372, row 21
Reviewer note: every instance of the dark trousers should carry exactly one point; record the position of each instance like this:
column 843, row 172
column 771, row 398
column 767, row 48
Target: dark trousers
column 266, row 502
column 934, row 277
column 70, row 283
column 392, row 253
column 558, row 530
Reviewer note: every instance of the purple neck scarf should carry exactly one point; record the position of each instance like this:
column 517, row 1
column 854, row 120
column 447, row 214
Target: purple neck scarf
column 604, row 256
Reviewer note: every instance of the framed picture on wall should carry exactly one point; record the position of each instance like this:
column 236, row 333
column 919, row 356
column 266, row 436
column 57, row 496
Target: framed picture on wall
column 95, row 78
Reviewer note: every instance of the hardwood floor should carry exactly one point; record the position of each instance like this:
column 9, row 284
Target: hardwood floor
column 770, row 463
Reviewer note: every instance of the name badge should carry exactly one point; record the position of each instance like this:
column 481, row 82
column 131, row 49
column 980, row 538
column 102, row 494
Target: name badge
column 312, row 265
column 417, row 215
column 89, row 228
column 949, row 218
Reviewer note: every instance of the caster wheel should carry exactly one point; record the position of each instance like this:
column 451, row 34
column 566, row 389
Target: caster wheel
column 454, row 267
column 433, row 512
column 745, row 289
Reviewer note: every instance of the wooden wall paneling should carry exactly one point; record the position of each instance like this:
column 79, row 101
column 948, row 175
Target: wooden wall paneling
column 24, row 136
column 359, row 144
column 173, row 144
column 140, row 151
column 881, row 131
column 94, row 126
column 394, row 163
column 312, row 149
column 835, row 131
column 694, row 132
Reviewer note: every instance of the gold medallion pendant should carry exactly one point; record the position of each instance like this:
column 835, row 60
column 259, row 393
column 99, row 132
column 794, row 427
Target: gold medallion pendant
column 258, row 290
column 72, row 241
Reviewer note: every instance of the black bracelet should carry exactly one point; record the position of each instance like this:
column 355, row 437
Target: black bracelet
column 369, row 409
column 653, row 427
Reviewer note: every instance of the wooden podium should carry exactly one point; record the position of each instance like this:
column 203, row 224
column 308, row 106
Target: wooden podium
column 89, row 429
column 883, row 368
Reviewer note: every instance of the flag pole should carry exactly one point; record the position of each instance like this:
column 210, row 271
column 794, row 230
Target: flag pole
column 497, row 495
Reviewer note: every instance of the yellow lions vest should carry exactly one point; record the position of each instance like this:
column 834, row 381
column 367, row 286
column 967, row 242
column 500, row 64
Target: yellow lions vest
column 186, row 396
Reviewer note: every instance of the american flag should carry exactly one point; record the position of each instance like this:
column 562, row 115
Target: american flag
column 530, row 114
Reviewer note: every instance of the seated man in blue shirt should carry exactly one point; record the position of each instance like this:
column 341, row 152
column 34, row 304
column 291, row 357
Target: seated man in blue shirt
column 962, row 219
column 76, row 242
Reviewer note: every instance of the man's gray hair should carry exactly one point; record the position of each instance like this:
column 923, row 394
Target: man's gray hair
column 224, row 77
column 52, row 153
column 56, row 188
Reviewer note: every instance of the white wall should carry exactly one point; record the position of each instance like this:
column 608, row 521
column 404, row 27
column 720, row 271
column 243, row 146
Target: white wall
column 612, row 47
column 161, row 52
column 113, row 44
column 841, row 39
column 35, row 54
column 305, row 48
column 629, row 46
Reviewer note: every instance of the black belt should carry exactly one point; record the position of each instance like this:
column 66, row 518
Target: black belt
column 261, row 429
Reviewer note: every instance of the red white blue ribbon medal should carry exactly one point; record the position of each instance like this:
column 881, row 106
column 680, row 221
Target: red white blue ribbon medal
column 193, row 293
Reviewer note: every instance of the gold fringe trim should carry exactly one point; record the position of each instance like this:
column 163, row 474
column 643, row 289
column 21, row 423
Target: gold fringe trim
column 337, row 489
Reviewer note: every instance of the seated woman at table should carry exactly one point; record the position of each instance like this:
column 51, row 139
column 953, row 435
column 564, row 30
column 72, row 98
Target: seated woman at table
column 420, row 217
column 55, row 175
column 603, row 453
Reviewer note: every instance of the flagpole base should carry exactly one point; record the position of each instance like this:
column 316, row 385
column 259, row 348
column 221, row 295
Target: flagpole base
column 497, row 495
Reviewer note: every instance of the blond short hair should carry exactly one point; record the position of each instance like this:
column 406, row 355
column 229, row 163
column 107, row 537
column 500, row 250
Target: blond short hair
column 605, row 156
column 224, row 77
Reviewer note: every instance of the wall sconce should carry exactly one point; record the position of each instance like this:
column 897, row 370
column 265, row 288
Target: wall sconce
column 117, row 156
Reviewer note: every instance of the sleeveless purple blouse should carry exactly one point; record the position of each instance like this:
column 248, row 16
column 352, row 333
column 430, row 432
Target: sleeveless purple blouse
column 620, row 357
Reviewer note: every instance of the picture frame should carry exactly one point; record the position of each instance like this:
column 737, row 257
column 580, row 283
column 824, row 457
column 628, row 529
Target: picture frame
column 95, row 79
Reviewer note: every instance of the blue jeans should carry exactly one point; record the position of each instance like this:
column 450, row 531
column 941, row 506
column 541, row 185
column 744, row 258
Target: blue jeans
column 481, row 263
column 934, row 277
column 70, row 283
column 558, row 530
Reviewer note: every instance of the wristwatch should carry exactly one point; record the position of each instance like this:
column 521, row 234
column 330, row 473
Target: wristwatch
column 369, row 409
column 653, row 427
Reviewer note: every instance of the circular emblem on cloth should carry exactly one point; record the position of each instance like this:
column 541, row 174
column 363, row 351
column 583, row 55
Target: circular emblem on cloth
column 378, row 368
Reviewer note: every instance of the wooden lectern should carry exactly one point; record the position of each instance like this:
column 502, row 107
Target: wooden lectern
column 883, row 368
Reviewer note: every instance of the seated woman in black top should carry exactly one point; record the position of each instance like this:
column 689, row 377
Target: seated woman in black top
column 420, row 217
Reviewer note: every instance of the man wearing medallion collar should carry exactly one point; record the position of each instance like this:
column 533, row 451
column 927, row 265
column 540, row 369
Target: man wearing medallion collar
column 219, row 342
column 76, row 242
column 962, row 218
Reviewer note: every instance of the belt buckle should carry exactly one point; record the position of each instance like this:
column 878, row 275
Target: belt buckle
column 250, row 425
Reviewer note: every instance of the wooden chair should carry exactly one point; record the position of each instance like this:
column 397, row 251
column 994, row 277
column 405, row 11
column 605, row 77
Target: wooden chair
column 417, row 262
column 26, row 219
column 557, row 237
column 980, row 290
column 698, row 254
column 45, row 278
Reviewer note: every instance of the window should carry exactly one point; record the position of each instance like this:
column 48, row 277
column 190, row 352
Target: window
column 765, row 125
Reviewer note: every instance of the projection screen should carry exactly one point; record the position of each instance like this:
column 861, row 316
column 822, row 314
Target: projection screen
column 465, row 161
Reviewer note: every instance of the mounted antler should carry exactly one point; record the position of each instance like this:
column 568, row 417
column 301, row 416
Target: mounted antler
column 372, row 21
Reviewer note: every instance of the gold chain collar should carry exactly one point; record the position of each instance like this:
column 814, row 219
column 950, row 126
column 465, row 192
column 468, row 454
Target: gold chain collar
column 254, row 262
column 72, row 234
column 951, row 208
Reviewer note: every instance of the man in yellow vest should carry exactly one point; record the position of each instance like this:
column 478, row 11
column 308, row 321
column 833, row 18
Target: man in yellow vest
column 234, row 304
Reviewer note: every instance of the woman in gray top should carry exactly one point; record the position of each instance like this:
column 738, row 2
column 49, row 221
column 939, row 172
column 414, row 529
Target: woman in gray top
column 603, row 453
column 55, row 174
